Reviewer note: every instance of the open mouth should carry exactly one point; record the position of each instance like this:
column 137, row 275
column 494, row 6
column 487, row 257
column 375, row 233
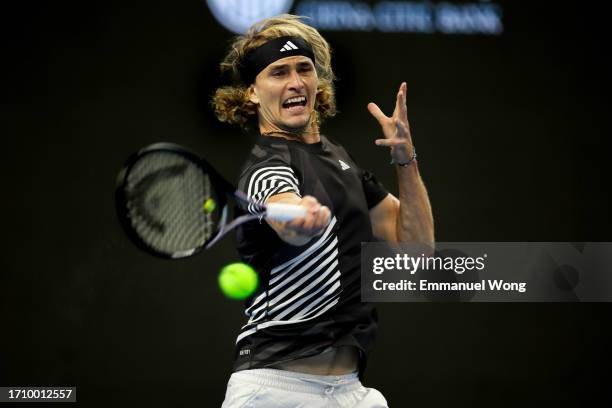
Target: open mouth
column 295, row 102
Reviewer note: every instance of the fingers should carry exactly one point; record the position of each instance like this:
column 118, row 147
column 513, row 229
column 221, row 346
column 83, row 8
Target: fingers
column 316, row 219
column 398, row 104
column 309, row 202
column 403, row 107
column 403, row 133
column 312, row 211
column 389, row 142
column 377, row 113
column 396, row 126
column 321, row 220
column 400, row 101
column 400, row 110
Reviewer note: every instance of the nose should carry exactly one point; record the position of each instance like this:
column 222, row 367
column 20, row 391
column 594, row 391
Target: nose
column 296, row 82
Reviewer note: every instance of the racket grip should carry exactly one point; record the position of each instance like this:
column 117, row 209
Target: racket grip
column 284, row 212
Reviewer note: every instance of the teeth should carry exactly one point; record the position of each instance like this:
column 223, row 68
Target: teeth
column 296, row 99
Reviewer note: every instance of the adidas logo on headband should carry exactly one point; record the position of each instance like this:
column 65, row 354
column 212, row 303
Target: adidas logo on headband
column 257, row 59
column 288, row 47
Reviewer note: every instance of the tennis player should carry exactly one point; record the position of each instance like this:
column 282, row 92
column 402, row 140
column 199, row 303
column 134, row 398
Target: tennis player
column 308, row 335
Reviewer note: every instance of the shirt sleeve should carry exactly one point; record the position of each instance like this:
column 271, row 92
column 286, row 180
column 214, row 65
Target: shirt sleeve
column 266, row 180
column 374, row 191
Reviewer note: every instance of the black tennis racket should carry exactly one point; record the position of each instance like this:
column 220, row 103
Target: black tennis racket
column 172, row 203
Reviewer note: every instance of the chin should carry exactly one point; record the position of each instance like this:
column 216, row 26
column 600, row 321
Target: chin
column 297, row 123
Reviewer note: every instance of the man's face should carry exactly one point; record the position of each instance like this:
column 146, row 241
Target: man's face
column 285, row 93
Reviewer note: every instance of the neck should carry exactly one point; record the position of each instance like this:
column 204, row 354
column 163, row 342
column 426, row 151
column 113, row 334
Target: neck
column 309, row 134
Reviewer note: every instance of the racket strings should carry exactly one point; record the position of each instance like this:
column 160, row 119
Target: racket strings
column 165, row 196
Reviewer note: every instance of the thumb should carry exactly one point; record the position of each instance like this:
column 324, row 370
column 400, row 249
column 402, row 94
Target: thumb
column 376, row 112
column 388, row 142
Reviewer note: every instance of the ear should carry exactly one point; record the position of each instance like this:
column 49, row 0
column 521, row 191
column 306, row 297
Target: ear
column 253, row 95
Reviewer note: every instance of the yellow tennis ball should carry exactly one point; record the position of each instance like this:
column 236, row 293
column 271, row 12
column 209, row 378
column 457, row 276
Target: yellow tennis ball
column 238, row 280
column 209, row 206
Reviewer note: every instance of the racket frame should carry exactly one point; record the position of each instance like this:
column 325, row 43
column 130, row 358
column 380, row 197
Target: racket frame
column 219, row 185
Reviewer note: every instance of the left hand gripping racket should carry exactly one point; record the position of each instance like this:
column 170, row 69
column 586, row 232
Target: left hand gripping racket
column 172, row 203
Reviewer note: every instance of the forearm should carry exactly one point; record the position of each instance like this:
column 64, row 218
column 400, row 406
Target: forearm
column 414, row 221
column 285, row 233
column 411, row 218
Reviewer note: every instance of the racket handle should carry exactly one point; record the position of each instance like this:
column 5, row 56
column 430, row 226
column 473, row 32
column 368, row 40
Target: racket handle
column 284, row 212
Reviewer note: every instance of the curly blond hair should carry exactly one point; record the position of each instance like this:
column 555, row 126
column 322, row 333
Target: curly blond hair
column 232, row 104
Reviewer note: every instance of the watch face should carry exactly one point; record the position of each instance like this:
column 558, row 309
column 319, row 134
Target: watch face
column 239, row 15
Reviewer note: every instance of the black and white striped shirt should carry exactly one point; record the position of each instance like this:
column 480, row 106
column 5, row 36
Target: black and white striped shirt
column 309, row 296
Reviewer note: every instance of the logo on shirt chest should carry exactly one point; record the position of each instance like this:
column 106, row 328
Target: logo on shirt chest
column 343, row 165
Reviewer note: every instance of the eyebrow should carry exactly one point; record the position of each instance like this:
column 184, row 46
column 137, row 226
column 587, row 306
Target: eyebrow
column 282, row 66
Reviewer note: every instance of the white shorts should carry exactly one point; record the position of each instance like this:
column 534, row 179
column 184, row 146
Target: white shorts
column 269, row 388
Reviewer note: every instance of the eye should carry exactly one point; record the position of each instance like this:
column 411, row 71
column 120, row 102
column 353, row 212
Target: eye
column 305, row 68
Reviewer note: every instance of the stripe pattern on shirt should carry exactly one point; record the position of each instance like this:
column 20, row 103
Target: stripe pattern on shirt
column 268, row 181
column 299, row 289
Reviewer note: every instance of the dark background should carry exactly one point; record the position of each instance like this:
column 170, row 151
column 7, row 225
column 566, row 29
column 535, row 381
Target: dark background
column 511, row 132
